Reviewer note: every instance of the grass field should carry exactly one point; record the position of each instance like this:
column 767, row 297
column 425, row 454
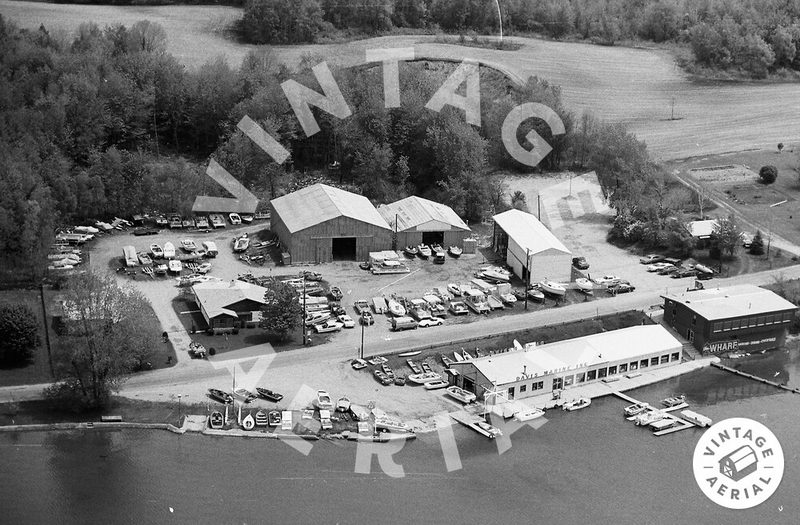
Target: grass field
column 743, row 192
column 635, row 86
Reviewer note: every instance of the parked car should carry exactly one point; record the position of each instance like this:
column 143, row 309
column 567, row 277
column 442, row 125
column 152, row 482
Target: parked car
column 666, row 270
column 657, row 266
column 337, row 310
column 336, row 293
column 683, row 272
column 580, row 263
column 328, row 326
column 366, row 318
column 606, row 279
column 620, row 287
column 347, row 321
column 145, row 231
column 431, row 321
column 747, row 239
column 652, row 258
column 403, row 323
column 361, row 306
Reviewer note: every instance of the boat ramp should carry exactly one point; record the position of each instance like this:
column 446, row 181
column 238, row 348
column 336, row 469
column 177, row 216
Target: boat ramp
column 475, row 422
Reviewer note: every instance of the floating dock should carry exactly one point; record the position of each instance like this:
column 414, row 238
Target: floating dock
column 668, row 424
column 471, row 420
column 755, row 378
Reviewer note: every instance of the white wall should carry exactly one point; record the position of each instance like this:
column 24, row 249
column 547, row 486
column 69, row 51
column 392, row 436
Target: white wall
column 552, row 264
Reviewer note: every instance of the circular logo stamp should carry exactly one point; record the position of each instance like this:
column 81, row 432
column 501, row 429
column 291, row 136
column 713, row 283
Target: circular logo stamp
column 738, row 463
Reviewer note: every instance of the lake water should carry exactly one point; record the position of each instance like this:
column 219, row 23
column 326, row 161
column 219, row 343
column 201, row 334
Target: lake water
column 589, row 466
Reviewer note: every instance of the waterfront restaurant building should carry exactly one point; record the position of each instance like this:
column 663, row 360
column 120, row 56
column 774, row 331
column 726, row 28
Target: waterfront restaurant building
column 540, row 369
column 419, row 221
column 321, row 223
column 527, row 246
column 743, row 317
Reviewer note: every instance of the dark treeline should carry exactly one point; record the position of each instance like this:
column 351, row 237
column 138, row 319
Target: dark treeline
column 754, row 36
column 108, row 124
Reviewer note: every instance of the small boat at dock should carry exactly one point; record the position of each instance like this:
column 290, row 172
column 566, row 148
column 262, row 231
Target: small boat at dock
column 636, row 408
column 216, row 420
column 674, row 401
column 528, row 414
column 261, row 418
column 649, row 416
column 695, row 418
column 577, row 404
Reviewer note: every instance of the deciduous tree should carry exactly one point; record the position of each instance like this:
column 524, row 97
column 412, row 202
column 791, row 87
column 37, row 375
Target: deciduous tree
column 19, row 334
column 282, row 312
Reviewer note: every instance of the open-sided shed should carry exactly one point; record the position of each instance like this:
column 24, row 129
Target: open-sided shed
column 321, row 223
column 420, row 221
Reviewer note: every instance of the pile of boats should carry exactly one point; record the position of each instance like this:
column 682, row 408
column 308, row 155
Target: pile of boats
column 660, row 418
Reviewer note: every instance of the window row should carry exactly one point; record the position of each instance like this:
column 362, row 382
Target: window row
column 749, row 322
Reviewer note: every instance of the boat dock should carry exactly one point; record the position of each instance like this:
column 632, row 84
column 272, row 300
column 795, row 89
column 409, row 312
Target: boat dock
column 471, row 420
column 755, row 378
column 669, row 424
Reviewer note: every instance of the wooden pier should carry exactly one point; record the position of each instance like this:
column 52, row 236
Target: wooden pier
column 755, row 378
column 677, row 425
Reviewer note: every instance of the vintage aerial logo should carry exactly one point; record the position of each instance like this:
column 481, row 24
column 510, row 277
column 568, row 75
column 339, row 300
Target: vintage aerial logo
column 738, row 463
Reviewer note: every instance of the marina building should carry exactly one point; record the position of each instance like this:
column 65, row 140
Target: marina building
column 321, row 223
column 540, row 369
column 743, row 317
column 229, row 305
column 419, row 221
column 528, row 246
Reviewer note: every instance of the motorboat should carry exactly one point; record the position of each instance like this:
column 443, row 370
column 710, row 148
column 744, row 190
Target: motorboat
column 343, row 404
column 528, row 414
column 201, row 222
column 219, row 395
column 552, row 287
column 465, row 396
column 508, row 298
column 577, row 404
column 535, row 294
column 324, row 400
column 381, row 377
column 261, row 419
column 476, row 300
column 241, row 243
column 244, row 394
column 455, row 251
column 269, row 395
column 458, row 308
column 411, row 251
column 649, row 416
column 216, row 420
column 426, row 377
column 413, row 366
column 248, row 422
column 162, row 221
column 187, row 223
column 584, row 284
column 188, row 246
column 144, row 259
column 458, row 357
column 454, row 289
column 387, row 424
column 169, row 250
column 410, row 354
column 436, row 385
column 274, row 418
column 175, row 266
column 424, row 251
column 235, row 218
column 387, row 370
column 698, row 419
column 161, row 269
column 216, row 220
column 395, row 308
column 488, row 430
column 157, row 252
column 674, row 401
column 636, row 408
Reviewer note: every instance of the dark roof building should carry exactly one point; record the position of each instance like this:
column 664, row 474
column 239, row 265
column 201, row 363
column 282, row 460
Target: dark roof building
column 420, row 221
column 743, row 317
column 321, row 223
column 228, row 305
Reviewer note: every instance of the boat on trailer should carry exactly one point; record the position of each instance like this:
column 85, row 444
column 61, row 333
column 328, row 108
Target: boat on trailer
column 465, row 396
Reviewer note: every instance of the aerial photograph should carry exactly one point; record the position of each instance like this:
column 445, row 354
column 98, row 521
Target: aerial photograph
column 400, row 261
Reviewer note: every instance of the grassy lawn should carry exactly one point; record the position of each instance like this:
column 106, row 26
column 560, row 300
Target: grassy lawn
column 39, row 369
column 747, row 195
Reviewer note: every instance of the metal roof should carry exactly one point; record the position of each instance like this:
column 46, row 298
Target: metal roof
column 320, row 203
column 528, row 232
column 730, row 302
column 206, row 204
column 702, row 229
column 216, row 296
column 421, row 214
column 574, row 354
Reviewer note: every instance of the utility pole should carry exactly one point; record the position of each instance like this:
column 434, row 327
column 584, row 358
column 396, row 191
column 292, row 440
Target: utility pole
column 500, row 16
column 527, row 275
column 362, row 337
column 304, row 311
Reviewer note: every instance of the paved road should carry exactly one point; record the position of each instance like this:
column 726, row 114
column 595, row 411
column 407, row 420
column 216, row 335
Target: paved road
column 333, row 353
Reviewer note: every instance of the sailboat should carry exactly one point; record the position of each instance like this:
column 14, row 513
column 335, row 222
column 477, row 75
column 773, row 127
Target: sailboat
column 396, row 309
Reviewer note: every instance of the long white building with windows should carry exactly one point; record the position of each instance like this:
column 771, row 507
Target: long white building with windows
column 539, row 369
